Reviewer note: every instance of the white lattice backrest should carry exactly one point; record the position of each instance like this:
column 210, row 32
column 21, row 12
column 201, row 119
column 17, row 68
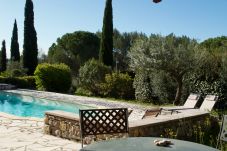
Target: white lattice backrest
column 224, row 129
column 191, row 101
column 208, row 103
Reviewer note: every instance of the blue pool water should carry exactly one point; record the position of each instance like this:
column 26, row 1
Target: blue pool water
column 28, row 106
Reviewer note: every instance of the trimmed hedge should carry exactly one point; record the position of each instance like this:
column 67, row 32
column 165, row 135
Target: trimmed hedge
column 53, row 77
column 27, row 82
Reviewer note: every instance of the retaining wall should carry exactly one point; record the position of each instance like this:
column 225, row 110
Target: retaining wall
column 66, row 125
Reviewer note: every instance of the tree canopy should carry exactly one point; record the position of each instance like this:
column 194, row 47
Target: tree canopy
column 210, row 75
column 15, row 53
column 30, row 51
column 106, row 46
column 215, row 43
column 3, row 57
column 122, row 42
column 74, row 49
column 171, row 54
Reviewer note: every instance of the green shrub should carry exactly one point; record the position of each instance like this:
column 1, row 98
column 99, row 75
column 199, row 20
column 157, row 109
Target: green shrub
column 83, row 92
column 118, row 85
column 14, row 73
column 53, row 77
column 27, row 82
column 91, row 75
column 202, row 131
column 207, row 132
column 143, row 87
column 14, row 69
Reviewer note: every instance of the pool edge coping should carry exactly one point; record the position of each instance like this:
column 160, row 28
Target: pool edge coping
column 15, row 117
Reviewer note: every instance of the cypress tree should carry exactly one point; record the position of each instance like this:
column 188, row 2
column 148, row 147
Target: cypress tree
column 3, row 57
column 15, row 53
column 30, row 51
column 106, row 45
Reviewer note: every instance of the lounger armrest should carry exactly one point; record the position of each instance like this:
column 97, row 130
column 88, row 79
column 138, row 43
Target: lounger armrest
column 174, row 109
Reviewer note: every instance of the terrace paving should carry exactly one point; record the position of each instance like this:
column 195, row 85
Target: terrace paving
column 26, row 134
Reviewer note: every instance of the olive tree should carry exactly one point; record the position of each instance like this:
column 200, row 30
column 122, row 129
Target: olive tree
column 171, row 54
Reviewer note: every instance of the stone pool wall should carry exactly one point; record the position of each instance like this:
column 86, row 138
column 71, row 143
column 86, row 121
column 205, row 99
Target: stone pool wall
column 66, row 125
column 62, row 124
column 174, row 128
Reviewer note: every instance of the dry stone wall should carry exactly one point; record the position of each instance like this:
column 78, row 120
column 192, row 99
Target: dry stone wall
column 168, row 129
column 66, row 125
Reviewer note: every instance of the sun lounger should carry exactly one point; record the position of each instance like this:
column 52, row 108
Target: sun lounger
column 190, row 103
column 208, row 103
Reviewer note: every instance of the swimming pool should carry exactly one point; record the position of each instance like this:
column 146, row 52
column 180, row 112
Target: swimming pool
column 28, row 106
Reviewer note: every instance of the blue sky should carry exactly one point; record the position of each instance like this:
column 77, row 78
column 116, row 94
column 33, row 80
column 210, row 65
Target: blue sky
column 199, row 19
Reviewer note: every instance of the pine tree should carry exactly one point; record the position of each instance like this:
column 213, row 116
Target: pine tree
column 15, row 53
column 106, row 46
column 3, row 57
column 30, row 52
